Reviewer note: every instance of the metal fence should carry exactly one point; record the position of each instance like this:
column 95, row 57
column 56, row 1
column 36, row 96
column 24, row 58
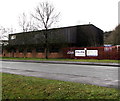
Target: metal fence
column 112, row 52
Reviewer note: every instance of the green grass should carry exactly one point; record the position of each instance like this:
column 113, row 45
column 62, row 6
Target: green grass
column 78, row 60
column 22, row 87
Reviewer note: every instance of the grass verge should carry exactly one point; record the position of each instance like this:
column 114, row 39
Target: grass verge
column 77, row 60
column 22, row 87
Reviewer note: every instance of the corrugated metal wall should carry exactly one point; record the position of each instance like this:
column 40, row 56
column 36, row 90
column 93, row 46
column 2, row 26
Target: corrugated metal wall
column 77, row 36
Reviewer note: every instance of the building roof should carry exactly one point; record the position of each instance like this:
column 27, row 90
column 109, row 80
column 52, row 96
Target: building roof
column 59, row 28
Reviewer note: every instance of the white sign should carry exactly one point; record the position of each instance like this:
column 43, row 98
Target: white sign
column 79, row 52
column 13, row 37
column 92, row 52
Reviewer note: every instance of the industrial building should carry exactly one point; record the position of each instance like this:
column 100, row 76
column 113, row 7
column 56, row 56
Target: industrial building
column 32, row 44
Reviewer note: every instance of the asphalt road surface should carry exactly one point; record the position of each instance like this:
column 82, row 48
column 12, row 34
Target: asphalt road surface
column 87, row 74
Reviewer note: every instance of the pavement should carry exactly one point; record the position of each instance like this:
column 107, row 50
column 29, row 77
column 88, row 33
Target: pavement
column 65, row 62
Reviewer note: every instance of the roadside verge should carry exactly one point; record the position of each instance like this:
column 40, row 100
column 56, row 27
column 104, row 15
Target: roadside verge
column 65, row 62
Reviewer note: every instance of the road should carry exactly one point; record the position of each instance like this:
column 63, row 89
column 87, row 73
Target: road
column 97, row 75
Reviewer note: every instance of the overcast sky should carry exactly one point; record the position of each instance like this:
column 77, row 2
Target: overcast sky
column 101, row 13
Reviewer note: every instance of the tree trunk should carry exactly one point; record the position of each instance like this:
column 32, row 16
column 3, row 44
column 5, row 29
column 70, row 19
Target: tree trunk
column 46, row 45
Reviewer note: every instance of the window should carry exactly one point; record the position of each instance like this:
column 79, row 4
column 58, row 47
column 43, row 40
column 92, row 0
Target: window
column 29, row 50
column 13, row 37
column 9, row 50
column 21, row 50
column 40, row 50
column 14, row 50
column 53, row 49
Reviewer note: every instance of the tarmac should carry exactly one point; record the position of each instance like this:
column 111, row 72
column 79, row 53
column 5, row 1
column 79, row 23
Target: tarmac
column 83, row 72
column 65, row 62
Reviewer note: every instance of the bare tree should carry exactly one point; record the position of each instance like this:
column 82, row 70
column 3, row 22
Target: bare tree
column 4, row 32
column 23, row 23
column 26, row 24
column 46, row 16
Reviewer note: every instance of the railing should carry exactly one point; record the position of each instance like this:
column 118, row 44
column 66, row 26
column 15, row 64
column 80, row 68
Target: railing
column 112, row 52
